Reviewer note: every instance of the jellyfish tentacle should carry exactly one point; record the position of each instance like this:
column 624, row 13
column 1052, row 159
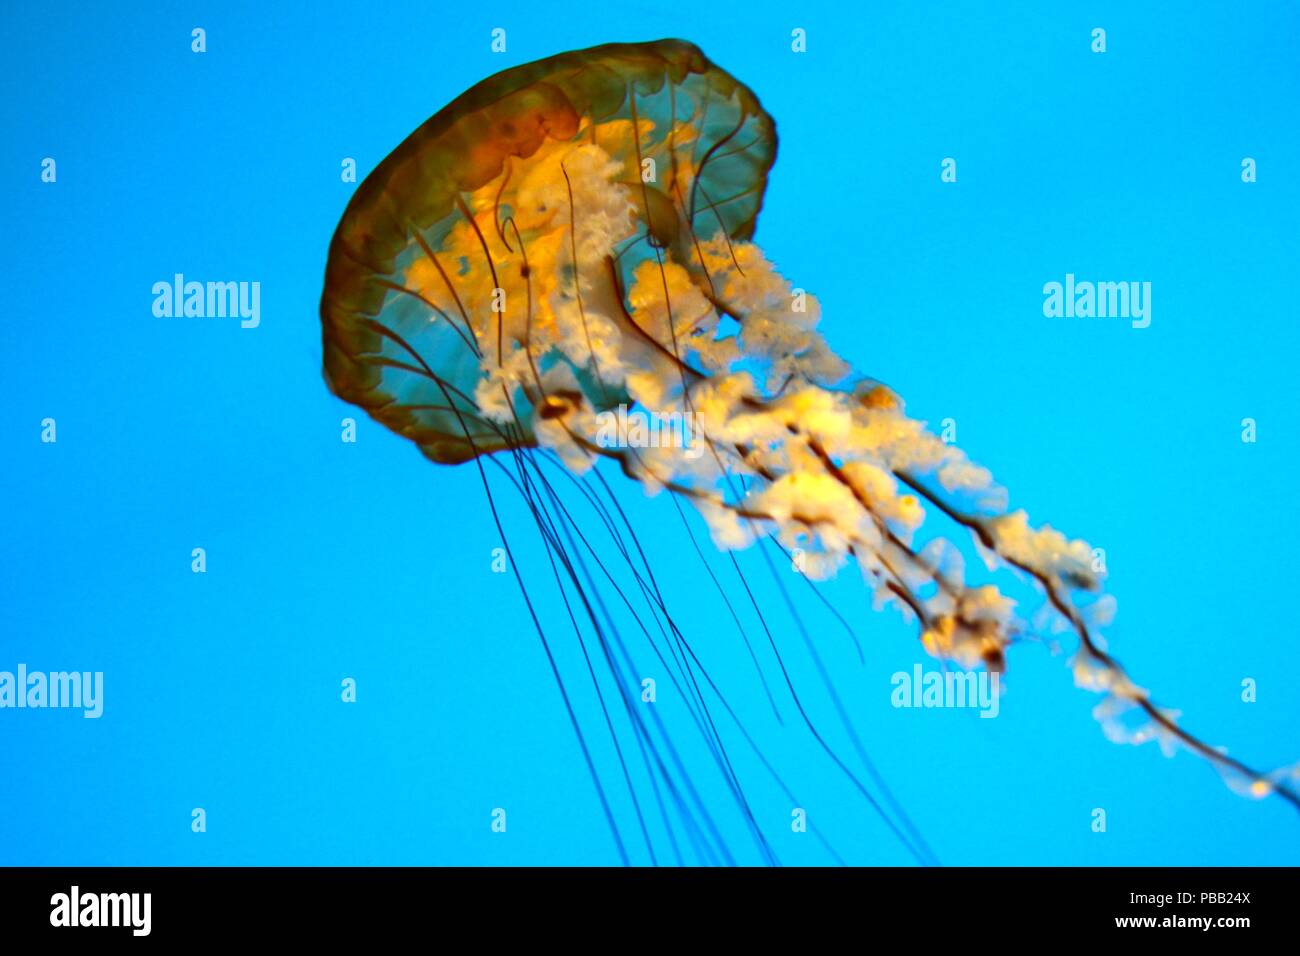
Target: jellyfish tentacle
column 1052, row 591
column 528, row 309
column 722, row 594
column 916, row 843
column 555, row 672
column 420, row 296
column 708, row 155
column 570, row 527
column 496, row 204
column 658, row 596
column 1089, row 646
column 817, row 734
column 551, row 541
column 451, row 287
column 825, row 601
column 713, row 207
column 492, row 267
column 550, row 658
column 717, row 692
column 683, row 367
column 922, row 850
column 712, row 735
column 553, row 546
column 577, row 288
column 794, row 801
column 923, row 853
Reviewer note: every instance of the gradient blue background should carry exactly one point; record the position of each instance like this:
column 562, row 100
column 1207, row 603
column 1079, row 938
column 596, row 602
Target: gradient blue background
column 328, row 560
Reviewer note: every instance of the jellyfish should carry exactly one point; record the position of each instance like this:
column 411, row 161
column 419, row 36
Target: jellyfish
column 573, row 238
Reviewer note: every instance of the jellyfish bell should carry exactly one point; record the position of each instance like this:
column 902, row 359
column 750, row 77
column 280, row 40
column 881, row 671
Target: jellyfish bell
column 574, row 236
column 504, row 233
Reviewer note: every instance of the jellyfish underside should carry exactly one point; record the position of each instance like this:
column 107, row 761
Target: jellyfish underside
column 574, row 235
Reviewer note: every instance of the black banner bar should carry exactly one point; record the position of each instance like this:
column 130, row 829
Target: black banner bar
column 331, row 905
